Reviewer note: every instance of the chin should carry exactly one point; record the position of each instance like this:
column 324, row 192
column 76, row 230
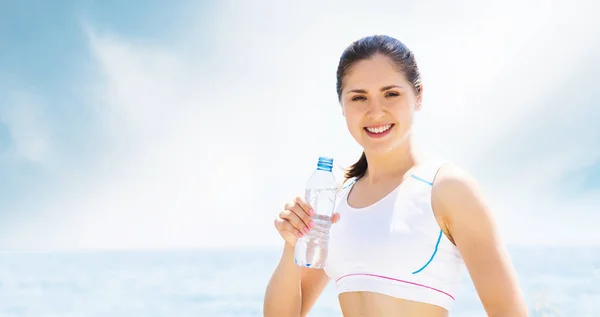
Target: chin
column 384, row 145
column 378, row 150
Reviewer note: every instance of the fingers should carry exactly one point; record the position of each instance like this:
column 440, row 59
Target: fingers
column 283, row 226
column 306, row 207
column 297, row 217
column 302, row 209
column 335, row 217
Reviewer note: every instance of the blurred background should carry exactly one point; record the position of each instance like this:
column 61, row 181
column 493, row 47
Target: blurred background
column 145, row 147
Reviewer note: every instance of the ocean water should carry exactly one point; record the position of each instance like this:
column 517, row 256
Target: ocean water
column 219, row 283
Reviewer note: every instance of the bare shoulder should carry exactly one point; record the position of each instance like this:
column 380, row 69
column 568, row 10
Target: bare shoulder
column 453, row 190
column 451, row 177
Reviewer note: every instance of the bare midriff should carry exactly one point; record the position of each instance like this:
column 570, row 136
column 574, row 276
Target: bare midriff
column 368, row 304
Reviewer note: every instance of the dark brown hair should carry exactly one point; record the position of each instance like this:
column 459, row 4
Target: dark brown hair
column 366, row 48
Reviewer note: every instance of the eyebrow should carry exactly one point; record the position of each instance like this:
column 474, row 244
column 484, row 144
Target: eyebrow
column 362, row 91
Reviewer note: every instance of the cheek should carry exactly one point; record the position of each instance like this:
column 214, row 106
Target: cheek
column 353, row 118
column 353, row 122
column 403, row 112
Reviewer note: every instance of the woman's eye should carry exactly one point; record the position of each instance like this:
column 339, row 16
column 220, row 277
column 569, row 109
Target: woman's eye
column 392, row 94
column 358, row 98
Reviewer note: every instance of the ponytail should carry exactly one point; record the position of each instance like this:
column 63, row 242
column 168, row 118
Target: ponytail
column 358, row 169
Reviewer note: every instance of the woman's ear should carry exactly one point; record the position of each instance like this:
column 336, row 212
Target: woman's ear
column 419, row 98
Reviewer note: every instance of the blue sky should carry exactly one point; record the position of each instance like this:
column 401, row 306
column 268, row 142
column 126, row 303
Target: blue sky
column 164, row 125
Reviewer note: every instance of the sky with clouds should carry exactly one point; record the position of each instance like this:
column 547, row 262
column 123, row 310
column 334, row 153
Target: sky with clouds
column 188, row 124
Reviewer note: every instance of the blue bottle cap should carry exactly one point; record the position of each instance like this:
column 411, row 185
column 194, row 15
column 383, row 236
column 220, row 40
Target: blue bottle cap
column 325, row 163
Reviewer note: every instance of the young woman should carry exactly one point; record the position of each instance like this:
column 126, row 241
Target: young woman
column 405, row 224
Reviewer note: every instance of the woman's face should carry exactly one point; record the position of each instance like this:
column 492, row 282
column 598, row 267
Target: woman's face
column 378, row 104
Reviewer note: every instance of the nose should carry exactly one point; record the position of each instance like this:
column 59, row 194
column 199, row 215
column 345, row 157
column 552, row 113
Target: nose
column 376, row 110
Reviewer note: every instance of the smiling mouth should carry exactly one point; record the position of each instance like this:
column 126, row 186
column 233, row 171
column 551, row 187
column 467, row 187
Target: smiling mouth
column 379, row 130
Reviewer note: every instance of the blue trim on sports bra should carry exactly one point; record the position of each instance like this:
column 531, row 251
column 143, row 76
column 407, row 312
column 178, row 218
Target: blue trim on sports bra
column 349, row 184
column 437, row 244
column 420, row 179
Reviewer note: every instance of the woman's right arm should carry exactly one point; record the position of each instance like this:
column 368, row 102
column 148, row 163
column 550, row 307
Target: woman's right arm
column 293, row 290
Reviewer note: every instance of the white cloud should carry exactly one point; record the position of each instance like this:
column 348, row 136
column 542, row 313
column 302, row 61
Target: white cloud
column 23, row 115
column 208, row 141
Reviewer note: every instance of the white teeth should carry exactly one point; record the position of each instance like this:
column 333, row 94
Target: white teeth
column 380, row 129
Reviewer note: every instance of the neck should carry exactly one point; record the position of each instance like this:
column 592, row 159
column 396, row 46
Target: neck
column 392, row 164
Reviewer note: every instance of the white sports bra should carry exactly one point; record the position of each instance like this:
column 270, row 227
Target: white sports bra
column 395, row 246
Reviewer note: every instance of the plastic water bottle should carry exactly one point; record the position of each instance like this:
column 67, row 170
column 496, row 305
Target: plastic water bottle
column 311, row 250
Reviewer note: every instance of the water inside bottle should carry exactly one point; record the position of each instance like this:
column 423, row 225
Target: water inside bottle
column 312, row 249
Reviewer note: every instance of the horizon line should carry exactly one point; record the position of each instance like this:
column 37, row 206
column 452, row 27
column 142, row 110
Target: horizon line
column 234, row 248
